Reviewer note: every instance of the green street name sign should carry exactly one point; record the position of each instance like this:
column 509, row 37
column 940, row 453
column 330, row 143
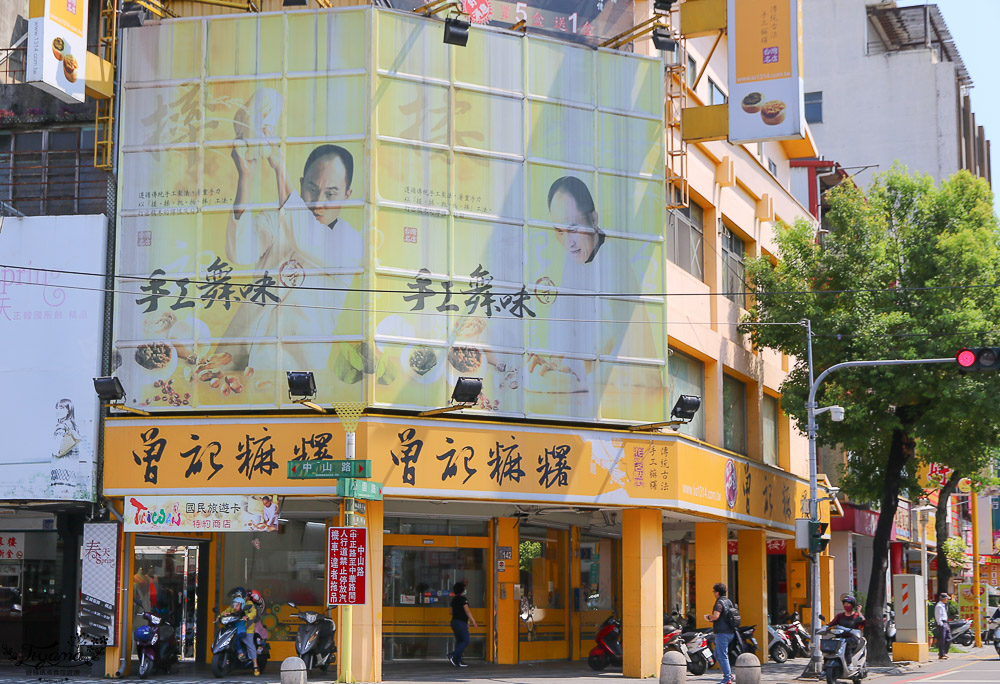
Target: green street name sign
column 308, row 470
column 359, row 489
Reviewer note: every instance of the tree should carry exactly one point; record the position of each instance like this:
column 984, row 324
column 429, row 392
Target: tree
column 908, row 271
column 944, row 571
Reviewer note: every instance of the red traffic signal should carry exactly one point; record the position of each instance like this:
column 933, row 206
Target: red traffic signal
column 978, row 359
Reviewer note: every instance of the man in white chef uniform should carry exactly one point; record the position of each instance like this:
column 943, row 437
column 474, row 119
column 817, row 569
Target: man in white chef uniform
column 304, row 246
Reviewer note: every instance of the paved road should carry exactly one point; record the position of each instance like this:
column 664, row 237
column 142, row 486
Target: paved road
column 981, row 666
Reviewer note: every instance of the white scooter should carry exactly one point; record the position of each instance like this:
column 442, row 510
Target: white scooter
column 833, row 645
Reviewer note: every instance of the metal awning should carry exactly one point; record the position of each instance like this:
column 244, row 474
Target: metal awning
column 907, row 28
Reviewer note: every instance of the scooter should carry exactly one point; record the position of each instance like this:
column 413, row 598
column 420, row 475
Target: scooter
column 156, row 643
column 745, row 642
column 889, row 624
column 228, row 652
column 779, row 648
column 314, row 641
column 679, row 635
column 608, row 650
column 798, row 637
column 833, row 646
column 992, row 634
column 961, row 632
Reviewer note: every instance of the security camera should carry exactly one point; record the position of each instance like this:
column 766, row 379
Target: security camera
column 836, row 413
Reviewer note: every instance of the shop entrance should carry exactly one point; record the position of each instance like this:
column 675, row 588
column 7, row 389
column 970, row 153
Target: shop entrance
column 543, row 624
column 170, row 580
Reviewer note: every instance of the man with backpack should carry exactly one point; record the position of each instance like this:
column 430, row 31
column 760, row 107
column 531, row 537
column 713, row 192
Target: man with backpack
column 725, row 621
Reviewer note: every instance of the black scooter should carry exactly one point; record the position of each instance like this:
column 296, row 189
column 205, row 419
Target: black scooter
column 228, row 652
column 314, row 641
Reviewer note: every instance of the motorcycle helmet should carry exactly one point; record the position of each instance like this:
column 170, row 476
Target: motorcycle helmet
column 238, row 591
column 257, row 599
column 850, row 599
column 142, row 633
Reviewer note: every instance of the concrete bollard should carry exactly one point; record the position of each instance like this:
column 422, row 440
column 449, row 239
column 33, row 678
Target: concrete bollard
column 293, row 671
column 673, row 669
column 747, row 669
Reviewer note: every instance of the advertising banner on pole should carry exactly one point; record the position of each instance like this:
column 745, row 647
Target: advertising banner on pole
column 765, row 83
column 340, row 192
column 50, row 351
column 201, row 513
column 99, row 583
column 57, row 48
column 346, row 560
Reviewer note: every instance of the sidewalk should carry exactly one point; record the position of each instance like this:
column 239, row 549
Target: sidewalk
column 557, row 672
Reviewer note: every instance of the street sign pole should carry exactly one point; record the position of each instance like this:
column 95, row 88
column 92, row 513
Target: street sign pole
column 349, row 414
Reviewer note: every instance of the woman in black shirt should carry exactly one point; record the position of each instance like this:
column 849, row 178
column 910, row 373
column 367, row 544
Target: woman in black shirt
column 461, row 615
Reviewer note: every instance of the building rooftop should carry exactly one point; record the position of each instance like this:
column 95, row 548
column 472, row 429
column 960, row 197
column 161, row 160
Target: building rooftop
column 918, row 27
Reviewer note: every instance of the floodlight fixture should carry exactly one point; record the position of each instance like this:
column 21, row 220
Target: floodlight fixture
column 302, row 389
column 683, row 412
column 465, row 394
column 663, row 5
column 456, row 31
column 662, row 39
column 294, row 3
column 131, row 17
column 112, row 395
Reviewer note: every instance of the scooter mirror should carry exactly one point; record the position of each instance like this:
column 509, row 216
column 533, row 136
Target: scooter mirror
column 822, row 617
column 292, row 604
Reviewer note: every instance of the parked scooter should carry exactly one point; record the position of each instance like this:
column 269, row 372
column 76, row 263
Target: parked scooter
column 889, row 625
column 798, row 636
column 779, row 648
column 228, row 651
column 961, row 632
column 156, row 643
column 836, row 666
column 695, row 647
column 608, row 650
column 746, row 642
column 314, row 641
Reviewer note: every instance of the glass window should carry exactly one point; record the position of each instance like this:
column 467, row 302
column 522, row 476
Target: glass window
column 715, row 94
column 733, row 268
column 543, row 558
column 772, row 167
column 734, row 414
column 597, row 572
column 687, row 238
column 814, row 107
column 769, row 409
column 687, row 376
column 692, row 71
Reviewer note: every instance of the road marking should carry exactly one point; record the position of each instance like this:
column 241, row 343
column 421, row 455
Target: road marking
column 932, row 677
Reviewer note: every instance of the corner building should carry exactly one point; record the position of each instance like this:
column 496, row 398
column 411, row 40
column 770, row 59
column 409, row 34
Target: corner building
column 338, row 191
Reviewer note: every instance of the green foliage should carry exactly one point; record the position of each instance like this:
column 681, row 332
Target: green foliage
column 529, row 550
column 953, row 549
column 908, row 271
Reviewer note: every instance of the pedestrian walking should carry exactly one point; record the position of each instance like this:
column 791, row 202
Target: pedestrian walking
column 943, row 628
column 461, row 616
column 724, row 631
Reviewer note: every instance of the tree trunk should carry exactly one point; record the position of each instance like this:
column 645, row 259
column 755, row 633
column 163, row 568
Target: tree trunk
column 941, row 529
column 900, row 451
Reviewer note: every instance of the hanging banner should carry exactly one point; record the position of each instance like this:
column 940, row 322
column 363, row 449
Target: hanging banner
column 57, row 48
column 346, row 561
column 765, row 86
column 201, row 513
column 99, row 583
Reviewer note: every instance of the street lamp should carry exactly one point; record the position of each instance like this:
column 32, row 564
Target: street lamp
column 921, row 512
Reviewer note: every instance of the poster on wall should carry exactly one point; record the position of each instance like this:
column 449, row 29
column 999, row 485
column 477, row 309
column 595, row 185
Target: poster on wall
column 201, row 513
column 57, row 48
column 765, row 84
column 391, row 228
column 346, row 563
column 99, row 583
column 50, row 351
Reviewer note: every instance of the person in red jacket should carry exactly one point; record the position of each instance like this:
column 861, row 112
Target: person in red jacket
column 851, row 618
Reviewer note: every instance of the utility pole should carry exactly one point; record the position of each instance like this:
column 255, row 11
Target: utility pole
column 977, row 622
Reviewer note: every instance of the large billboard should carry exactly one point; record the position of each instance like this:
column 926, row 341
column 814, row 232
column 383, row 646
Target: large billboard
column 51, row 317
column 57, row 48
column 339, row 191
column 765, row 80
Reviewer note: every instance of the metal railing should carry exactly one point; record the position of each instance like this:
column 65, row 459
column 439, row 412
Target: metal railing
column 51, row 182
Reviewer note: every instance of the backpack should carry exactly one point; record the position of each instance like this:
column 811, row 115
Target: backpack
column 732, row 616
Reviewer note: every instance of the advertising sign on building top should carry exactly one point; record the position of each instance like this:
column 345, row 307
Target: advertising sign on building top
column 390, row 227
column 57, row 48
column 765, row 86
column 50, row 351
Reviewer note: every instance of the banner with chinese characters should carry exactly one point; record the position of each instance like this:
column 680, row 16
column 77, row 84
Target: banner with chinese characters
column 201, row 513
column 51, row 317
column 586, row 21
column 338, row 191
column 438, row 459
column 99, row 583
column 57, row 48
column 346, row 563
column 765, row 83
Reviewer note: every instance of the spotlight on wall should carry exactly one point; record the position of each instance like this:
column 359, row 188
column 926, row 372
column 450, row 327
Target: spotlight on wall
column 663, row 5
column 302, row 389
column 131, row 16
column 467, row 391
column 111, row 393
column 456, row 31
column 683, row 412
column 662, row 40
column 294, row 3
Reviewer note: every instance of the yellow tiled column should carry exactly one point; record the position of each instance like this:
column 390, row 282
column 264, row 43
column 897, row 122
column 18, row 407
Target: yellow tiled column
column 711, row 565
column 642, row 583
column 827, row 604
column 507, row 637
column 753, row 584
column 797, row 581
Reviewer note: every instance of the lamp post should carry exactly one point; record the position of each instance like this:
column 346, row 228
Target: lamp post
column 922, row 512
column 815, row 666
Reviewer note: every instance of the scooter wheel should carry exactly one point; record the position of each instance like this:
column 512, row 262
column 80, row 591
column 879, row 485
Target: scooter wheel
column 832, row 673
column 597, row 662
column 145, row 666
column 779, row 653
column 698, row 666
column 220, row 664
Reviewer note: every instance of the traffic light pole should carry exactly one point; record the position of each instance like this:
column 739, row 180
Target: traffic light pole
column 815, row 666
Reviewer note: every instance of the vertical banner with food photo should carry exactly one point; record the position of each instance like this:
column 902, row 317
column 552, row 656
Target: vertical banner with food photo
column 57, row 48
column 390, row 223
column 765, row 80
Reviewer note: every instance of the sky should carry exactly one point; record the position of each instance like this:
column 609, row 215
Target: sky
column 973, row 26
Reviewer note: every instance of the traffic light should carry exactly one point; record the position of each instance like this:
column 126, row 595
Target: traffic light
column 818, row 537
column 978, row 358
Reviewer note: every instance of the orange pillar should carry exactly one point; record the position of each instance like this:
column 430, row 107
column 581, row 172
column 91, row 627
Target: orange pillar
column 507, row 603
column 753, row 584
column 642, row 575
column 711, row 565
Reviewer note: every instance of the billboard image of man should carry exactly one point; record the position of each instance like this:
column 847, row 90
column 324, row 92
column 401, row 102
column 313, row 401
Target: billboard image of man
column 305, row 247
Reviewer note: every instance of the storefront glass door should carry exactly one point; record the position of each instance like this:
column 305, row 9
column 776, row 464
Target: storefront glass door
column 543, row 614
column 165, row 583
